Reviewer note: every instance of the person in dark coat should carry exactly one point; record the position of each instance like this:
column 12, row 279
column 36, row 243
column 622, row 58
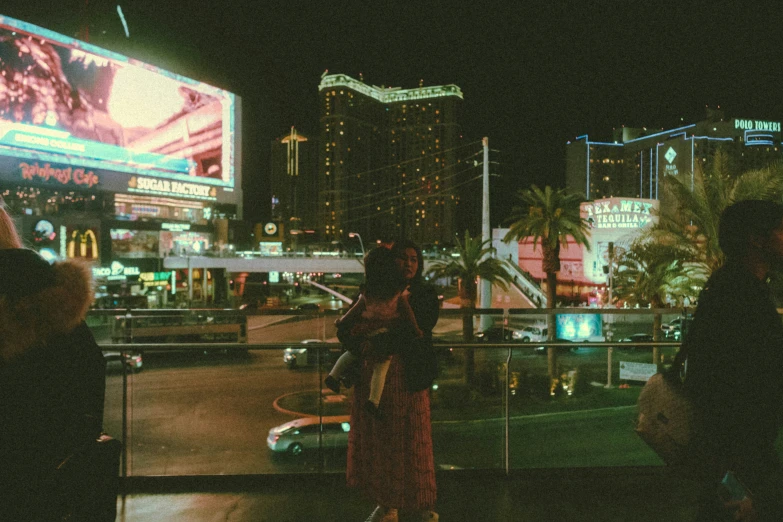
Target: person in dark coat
column 52, row 374
column 734, row 371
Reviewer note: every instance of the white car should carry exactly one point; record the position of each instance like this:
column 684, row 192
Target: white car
column 530, row 334
column 302, row 434
column 302, row 355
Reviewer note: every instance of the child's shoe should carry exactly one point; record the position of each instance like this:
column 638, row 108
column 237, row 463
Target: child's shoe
column 332, row 383
column 372, row 409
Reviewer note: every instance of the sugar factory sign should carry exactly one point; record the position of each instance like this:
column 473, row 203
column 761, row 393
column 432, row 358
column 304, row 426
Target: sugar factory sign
column 759, row 125
column 140, row 184
column 618, row 213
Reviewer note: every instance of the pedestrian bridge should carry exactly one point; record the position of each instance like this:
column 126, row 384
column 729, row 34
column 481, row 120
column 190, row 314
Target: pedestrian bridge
column 326, row 264
column 522, row 284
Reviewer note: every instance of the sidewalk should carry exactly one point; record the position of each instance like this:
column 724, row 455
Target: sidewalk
column 576, row 495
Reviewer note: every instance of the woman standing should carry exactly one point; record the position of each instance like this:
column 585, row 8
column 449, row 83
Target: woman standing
column 390, row 458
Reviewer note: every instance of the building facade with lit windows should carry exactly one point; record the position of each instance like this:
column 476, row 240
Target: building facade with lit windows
column 105, row 158
column 635, row 162
column 390, row 163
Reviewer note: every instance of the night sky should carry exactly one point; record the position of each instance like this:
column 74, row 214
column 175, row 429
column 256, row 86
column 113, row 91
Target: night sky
column 533, row 74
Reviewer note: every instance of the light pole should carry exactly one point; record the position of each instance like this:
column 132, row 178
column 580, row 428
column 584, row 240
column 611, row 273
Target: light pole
column 361, row 244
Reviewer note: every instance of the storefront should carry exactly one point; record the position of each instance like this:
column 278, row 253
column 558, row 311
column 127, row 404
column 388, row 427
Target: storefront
column 116, row 175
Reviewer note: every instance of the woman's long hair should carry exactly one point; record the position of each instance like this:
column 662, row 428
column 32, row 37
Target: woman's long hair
column 399, row 247
column 9, row 238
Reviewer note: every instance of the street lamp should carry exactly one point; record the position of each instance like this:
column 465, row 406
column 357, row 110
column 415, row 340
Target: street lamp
column 361, row 244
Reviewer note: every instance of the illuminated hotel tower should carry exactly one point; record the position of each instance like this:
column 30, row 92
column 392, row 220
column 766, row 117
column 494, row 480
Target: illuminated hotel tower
column 387, row 164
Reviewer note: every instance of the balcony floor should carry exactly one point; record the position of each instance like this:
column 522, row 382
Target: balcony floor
column 575, row 495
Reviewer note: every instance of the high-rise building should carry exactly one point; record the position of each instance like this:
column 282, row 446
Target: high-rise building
column 636, row 161
column 390, row 163
column 294, row 181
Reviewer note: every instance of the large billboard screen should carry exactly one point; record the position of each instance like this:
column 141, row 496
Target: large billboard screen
column 69, row 109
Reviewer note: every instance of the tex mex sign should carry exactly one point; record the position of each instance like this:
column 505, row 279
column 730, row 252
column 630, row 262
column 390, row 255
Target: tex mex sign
column 613, row 213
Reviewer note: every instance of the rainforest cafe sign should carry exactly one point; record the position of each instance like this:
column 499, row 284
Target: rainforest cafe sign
column 618, row 213
column 77, row 176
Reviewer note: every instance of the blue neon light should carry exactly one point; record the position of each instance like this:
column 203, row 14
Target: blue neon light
column 587, row 189
column 641, row 173
column 651, row 189
column 661, row 133
column 710, row 138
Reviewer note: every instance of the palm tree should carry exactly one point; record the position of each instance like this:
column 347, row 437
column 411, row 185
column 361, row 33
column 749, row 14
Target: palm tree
column 550, row 217
column 476, row 260
column 689, row 217
column 650, row 272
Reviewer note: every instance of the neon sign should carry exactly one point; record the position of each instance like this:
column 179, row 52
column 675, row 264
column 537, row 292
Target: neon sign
column 772, row 126
column 618, row 213
column 64, row 176
column 167, row 187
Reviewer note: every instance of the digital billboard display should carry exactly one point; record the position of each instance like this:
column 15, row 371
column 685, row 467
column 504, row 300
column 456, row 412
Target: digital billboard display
column 74, row 114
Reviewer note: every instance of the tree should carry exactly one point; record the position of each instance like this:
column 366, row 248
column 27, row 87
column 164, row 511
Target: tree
column 476, row 260
column 651, row 272
column 550, row 217
column 689, row 218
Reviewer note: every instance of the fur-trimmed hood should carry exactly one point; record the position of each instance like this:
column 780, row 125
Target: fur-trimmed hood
column 39, row 301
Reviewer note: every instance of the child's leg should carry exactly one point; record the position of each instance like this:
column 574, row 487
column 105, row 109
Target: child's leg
column 342, row 363
column 356, row 310
column 378, row 380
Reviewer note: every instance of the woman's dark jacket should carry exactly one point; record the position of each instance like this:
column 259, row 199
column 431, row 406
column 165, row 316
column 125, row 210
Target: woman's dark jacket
column 52, row 372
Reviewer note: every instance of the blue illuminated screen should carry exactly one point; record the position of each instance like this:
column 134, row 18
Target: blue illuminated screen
column 578, row 327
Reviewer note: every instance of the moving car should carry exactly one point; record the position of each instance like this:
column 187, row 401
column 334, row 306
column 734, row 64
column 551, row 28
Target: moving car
column 302, row 355
column 530, row 333
column 133, row 361
column 309, row 307
column 296, row 436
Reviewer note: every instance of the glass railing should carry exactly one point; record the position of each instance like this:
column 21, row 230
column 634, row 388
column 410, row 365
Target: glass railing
column 216, row 392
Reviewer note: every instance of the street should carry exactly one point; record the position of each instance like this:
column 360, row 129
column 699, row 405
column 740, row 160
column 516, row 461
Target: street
column 194, row 413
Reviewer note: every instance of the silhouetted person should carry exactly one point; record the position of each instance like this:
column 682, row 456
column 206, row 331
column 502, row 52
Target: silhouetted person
column 52, row 377
column 734, row 372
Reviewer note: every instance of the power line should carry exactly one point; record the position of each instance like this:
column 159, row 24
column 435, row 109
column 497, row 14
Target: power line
column 398, row 164
column 411, row 192
column 404, row 204
column 376, row 194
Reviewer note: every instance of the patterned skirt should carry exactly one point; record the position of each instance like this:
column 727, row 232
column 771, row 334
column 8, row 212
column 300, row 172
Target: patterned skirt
column 390, row 458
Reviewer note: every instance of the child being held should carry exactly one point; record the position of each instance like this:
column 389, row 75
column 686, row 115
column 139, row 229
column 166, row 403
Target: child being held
column 383, row 306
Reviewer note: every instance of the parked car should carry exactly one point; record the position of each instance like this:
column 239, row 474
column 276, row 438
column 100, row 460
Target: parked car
column 133, row 361
column 674, row 328
column 636, row 338
column 530, row 334
column 309, row 307
column 298, row 435
column 302, row 355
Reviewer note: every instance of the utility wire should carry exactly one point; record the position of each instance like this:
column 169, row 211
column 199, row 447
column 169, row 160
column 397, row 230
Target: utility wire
column 404, row 204
column 412, row 192
column 443, row 173
column 398, row 164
